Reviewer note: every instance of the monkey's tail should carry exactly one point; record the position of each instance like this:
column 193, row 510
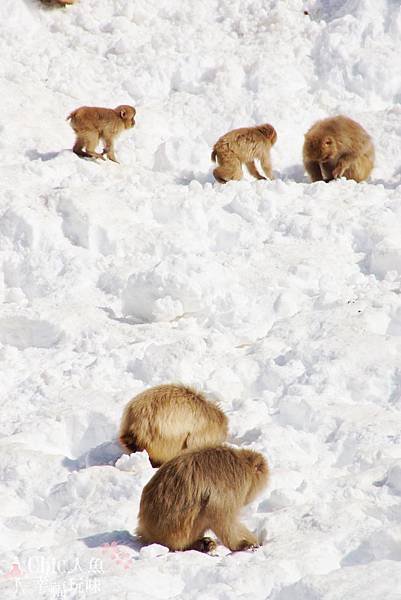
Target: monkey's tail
column 213, row 155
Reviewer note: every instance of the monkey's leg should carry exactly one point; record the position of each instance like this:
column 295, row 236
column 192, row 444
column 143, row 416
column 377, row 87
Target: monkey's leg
column 109, row 149
column 78, row 147
column 198, row 541
column 360, row 169
column 91, row 142
column 205, row 544
column 231, row 532
column 313, row 170
column 267, row 166
column 250, row 165
column 229, row 169
column 87, row 141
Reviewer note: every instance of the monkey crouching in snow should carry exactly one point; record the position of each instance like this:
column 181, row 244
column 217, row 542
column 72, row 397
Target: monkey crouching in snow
column 168, row 419
column 201, row 490
column 338, row 147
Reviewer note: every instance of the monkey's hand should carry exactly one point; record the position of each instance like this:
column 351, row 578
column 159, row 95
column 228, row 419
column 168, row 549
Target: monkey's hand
column 245, row 545
column 206, row 545
column 341, row 166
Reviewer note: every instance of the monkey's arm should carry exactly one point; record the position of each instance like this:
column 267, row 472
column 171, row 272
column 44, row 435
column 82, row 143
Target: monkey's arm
column 267, row 165
column 253, row 170
column 313, row 170
column 344, row 163
column 109, row 148
column 231, row 532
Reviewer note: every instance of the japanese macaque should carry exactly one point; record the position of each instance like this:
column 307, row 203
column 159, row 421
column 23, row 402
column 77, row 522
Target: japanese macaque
column 91, row 124
column 338, row 147
column 169, row 419
column 201, row 490
column 244, row 146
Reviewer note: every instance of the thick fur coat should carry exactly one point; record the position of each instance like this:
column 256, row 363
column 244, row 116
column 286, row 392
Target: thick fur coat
column 169, row 419
column 338, row 147
column 200, row 490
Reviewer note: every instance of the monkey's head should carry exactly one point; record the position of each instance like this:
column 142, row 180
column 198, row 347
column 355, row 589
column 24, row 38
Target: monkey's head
column 127, row 114
column 258, row 470
column 320, row 149
column 269, row 132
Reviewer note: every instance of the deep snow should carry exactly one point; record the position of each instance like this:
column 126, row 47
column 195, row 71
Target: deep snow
column 281, row 299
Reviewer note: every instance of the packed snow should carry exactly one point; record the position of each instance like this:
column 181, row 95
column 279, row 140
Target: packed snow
column 279, row 299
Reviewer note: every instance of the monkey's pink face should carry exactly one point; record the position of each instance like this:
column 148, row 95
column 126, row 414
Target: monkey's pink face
column 130, row 119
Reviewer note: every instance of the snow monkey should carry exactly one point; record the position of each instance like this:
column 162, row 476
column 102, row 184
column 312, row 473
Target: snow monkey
column 244, row 146
column 200, row 490
column 338, row 147
column 168, row 419
column 91, row 123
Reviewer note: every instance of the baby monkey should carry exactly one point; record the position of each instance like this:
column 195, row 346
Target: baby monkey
column 244, row 146
column 338, row 147
column 91, row 124
column 200, row 490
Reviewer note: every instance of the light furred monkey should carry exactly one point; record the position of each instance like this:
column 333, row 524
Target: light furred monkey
column 338, row 147
column 201, row 490
column 244, row 146
column 92, row 124
column 168, row 419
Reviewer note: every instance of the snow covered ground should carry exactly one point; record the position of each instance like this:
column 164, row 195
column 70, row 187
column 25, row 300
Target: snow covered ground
column 281, row 299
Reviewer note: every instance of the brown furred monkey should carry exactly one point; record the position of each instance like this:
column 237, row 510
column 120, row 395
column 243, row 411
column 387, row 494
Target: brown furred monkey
column 338, row 147
column 92, row 123
column 244, row 146
column 200, row 490
column 168, row 419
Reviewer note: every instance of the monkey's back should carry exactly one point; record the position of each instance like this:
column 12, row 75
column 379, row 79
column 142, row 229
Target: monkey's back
column 91, row 117
column 169, row 418
column 187, row 485
column 245, row 143
column 346, row 131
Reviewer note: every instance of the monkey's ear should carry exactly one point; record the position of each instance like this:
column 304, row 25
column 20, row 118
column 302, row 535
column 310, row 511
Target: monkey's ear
column 270, row 132
column 260, row 466
column 257, row 463
column 123, row 113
